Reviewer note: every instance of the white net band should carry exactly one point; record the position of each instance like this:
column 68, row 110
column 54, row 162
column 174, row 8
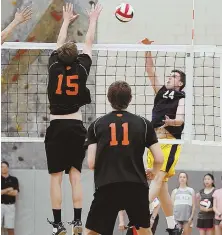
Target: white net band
column 119, row 47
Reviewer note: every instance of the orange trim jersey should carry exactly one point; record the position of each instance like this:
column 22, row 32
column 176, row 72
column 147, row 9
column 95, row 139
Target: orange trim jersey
column 67, row 90
column 121, row 139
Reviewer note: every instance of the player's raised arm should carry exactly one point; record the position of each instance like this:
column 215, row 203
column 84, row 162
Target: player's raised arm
column 20, row 17
column 68, row 17
column 150, row 68
column 93, row 17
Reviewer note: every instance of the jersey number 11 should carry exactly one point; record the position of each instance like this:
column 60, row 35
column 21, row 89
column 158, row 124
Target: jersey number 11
column 125, row 140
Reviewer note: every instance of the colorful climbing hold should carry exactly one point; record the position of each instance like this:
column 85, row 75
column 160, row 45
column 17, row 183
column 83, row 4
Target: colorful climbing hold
column 2, row 80
column 53, row 6
column 18, row 127
column 31, row 39
column 19, row 53
column 15, row 77
column 56, row 15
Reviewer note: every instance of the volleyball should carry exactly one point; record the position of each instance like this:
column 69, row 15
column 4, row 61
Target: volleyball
column 205, row 203
column 124, row 12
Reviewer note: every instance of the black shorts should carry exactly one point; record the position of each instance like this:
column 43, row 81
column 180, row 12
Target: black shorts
column 112, row 198
column 64, row 145
column 205, row 223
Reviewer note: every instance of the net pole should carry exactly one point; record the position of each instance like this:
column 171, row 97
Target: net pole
column 189, row 96
column 221, row 97
column 189, row 84
column 193, row 23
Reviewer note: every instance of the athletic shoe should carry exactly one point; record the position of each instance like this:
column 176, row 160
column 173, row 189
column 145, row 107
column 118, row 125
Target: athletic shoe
column 76, row 227
column 58, row 229
column 176, row 231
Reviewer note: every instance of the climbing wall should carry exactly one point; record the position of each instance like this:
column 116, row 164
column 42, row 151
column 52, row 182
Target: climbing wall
column 24, row 78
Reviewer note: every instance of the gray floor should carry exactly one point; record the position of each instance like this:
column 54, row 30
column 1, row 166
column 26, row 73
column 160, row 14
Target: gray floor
column 33, row 204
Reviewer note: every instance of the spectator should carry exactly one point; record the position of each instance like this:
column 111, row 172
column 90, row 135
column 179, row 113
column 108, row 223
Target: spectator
column 9, row 191
column 217, row 206
column 154, row 219
column 205, row 200
column 183, row 199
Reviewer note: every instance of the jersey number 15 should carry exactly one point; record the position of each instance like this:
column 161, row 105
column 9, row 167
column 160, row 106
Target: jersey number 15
column 70, row 84
column 125, row 140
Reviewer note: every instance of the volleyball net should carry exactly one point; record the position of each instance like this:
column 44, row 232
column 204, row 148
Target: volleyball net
column 25, row 107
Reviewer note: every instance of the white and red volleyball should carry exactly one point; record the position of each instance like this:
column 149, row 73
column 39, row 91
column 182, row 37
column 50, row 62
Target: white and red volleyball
column 205, row 203
column 124, row 12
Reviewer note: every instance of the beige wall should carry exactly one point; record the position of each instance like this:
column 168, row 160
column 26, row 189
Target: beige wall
column 165, row 22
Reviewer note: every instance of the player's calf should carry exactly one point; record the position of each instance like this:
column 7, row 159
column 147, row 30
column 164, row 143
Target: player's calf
column 75, row 177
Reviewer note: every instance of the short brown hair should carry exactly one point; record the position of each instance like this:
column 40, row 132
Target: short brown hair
column 182, row 77
column 68, row 53
column 119, row 95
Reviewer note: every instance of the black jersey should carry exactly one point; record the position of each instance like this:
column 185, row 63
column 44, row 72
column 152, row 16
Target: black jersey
column 121, row 139
column 9, row 182
column 67, row 90
column 166, row 103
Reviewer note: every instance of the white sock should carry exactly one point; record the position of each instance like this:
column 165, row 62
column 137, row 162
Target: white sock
column 171, row 222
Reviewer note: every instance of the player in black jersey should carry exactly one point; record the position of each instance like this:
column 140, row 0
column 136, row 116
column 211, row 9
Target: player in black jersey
column 65, row 137
column 168, row 121
column 116, row 146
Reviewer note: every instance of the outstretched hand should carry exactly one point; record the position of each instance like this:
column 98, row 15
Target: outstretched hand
column 68, row 14
column 24, row 15
column 95, row 12
column 146, row 41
